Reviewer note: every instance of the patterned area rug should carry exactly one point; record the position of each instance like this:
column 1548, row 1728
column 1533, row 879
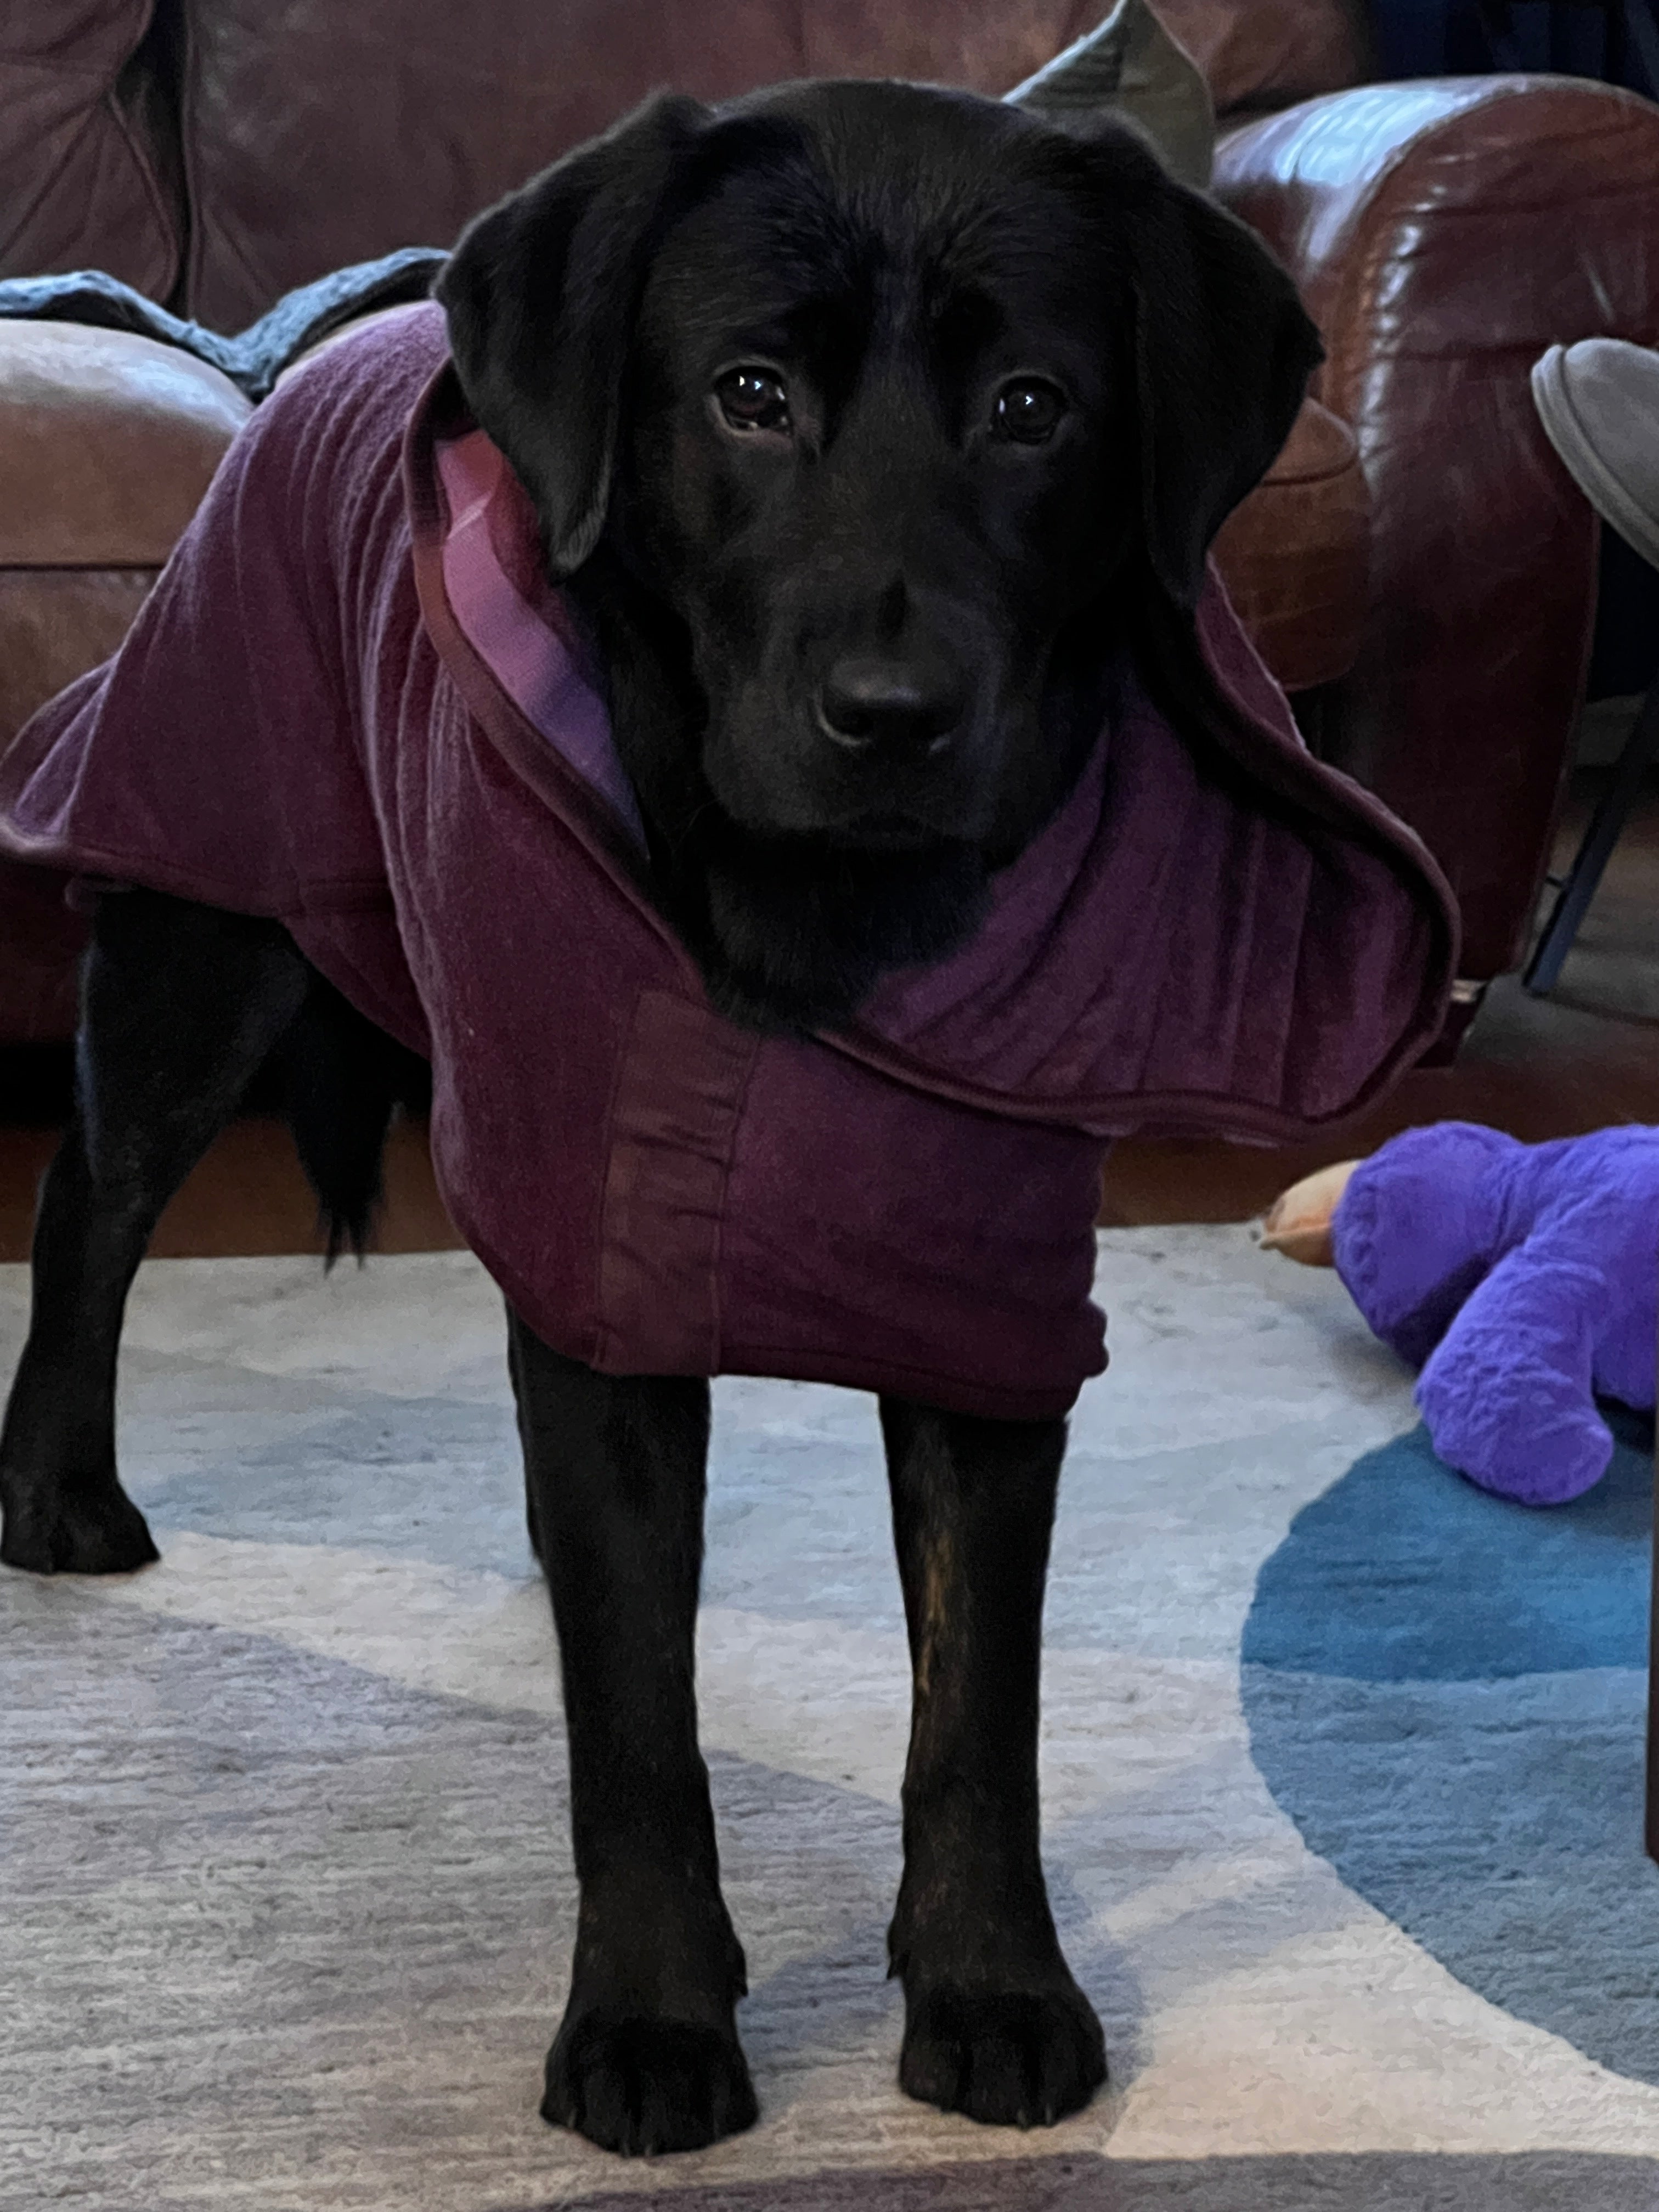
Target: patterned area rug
column 1342, row 1779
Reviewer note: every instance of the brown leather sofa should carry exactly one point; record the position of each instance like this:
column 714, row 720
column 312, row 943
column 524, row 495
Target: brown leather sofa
column 1417, row 569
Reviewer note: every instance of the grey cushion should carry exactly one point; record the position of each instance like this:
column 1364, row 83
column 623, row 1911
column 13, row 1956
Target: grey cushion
column 1130, row 64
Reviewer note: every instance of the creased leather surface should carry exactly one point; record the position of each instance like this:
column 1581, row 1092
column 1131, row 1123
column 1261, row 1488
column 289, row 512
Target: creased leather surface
column 1443, row 233
column 1266, row 53
column 313, row 135
column 84, row 176
column 1294, row 557
column 107, row 442
column 54, row 624
column 979, row 43
column 316, row 134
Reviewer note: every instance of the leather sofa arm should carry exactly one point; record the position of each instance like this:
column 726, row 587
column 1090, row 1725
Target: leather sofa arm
column 1294, row 555
column 107, row 441
column 1444, row 233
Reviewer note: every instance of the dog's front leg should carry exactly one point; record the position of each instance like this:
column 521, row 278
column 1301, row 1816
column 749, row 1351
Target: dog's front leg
column 646, row 2057
column 994, row 2025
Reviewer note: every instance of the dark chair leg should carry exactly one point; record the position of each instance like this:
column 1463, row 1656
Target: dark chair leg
column 1641, row 748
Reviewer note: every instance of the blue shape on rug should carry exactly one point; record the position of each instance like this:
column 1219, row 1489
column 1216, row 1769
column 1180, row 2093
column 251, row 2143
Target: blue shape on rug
column 1447, row 1693
column 1403, row 1571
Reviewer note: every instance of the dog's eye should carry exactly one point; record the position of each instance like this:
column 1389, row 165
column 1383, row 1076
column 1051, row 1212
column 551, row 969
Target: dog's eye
column 1027, row 412
column 753, row 400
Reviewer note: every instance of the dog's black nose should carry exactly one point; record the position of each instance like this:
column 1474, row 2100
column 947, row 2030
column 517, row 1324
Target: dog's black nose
column 869, row 703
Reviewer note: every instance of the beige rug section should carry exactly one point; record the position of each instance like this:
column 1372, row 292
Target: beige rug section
column 285, row 1899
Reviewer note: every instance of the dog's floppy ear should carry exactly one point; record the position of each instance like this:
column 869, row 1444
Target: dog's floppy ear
column 540, row 295
column 1223, row 352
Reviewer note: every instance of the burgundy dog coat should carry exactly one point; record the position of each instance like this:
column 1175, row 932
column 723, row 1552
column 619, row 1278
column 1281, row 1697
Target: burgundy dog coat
column 351, row 703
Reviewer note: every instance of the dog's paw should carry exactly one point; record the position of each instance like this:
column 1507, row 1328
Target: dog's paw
column 1012, row 2058
column 88, row 1532
column 639, row 2086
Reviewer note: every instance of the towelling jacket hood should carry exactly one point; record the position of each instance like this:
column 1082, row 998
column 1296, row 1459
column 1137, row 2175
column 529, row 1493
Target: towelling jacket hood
column 350, row 704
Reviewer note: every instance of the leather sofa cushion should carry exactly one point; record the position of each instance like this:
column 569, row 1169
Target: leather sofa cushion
column 1295, row 554
column 294, row 114
column 303, row 157
column 316, row 134
column 55, row 624
column 106, row 443
column 88, row 158
column 1260, row 54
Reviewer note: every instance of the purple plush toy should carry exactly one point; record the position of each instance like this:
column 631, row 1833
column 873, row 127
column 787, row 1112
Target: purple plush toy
column 1522, row 1278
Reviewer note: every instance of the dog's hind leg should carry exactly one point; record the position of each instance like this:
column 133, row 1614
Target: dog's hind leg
column 180, row 1005
column 646, row 2057
column 995, row 2026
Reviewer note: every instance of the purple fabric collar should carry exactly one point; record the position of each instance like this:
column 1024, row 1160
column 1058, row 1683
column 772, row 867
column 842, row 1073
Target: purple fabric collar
column 534, row 664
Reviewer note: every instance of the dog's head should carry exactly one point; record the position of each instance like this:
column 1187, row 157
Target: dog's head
column 882, row 395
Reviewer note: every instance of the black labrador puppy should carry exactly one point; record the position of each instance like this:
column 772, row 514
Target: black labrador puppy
column 867, row 425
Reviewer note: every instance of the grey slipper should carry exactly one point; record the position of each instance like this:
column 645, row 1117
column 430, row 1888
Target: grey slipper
column 1598, row 403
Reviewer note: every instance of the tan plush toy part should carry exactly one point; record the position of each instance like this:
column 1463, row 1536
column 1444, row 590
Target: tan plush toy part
column 1298, row 1222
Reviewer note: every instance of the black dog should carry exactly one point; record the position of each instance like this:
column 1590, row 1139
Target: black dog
column 868, row 426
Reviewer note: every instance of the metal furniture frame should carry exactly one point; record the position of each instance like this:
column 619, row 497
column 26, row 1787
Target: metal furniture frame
column 1577, row 888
